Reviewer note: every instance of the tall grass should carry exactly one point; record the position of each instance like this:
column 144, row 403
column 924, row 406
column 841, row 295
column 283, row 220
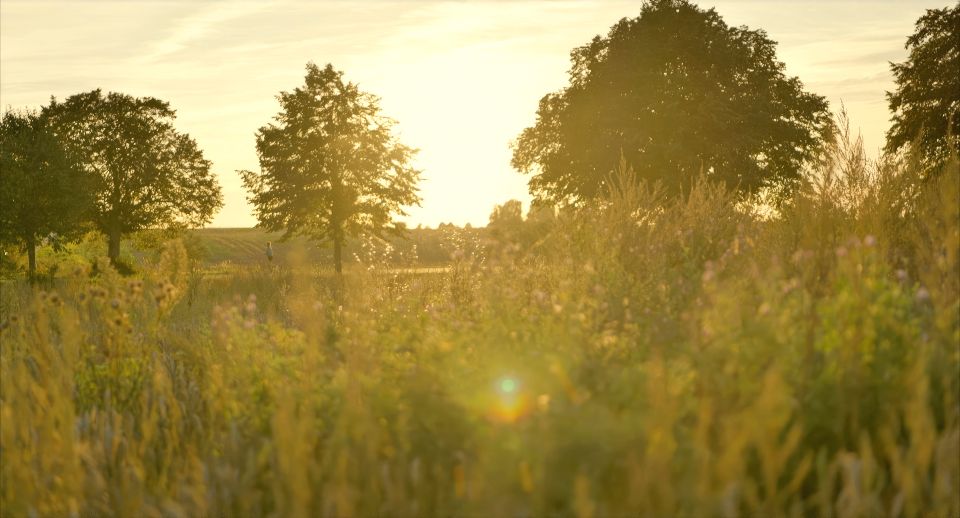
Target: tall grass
column 649, row 357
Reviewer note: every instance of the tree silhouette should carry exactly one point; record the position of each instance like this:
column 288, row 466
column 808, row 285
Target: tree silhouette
column 147, row 173
column 677, row 92
column 42, row 191
column 926, row 105
column 330, row 166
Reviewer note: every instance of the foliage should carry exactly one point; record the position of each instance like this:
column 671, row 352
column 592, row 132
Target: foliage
column 678, row 93
column 43, row 191
column 509, row 231
column 148, row 174
column 506, row 221
column 652, row 356
column 330, row 166
column 926, row 105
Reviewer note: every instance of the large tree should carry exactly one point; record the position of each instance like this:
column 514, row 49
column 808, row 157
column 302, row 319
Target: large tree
column 148, row 174
column 43, row 191
column 330, row 166
column 926, row 105
column 677, row 92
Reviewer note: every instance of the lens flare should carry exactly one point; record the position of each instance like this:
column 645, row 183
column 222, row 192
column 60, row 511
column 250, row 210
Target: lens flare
column 509, row 401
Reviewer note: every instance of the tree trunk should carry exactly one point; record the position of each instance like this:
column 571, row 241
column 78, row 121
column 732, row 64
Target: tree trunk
column 32, row 256
column 337, row 220
column 113, row 246
column 338, row 252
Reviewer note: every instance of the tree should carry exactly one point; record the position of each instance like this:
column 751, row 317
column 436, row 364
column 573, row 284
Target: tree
column 678, row 93
column 926, row 105
column 43, row 191
column 506, row 223
column 147, row 174
column 330, row 166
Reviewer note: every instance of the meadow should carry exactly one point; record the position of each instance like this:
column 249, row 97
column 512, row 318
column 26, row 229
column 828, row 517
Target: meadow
column 639, row 356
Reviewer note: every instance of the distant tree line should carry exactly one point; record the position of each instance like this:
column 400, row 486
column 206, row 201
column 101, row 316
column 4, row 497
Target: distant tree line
column 675, row 92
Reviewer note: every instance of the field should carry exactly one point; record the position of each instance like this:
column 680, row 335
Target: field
column 247, row 246
column 637, row 357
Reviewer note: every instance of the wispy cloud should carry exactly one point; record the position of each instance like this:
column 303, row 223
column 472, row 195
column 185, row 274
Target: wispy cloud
column 202, row 24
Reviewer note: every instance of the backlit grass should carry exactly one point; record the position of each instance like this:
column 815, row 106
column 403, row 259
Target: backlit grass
column 643, row 357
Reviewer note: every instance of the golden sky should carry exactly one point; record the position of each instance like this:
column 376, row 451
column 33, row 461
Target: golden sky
column 461, row 78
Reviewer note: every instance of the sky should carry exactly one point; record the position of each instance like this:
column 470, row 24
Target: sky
column 462, row 79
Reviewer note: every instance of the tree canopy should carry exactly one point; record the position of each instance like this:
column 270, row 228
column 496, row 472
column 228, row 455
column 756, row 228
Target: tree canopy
column 330, row 166
column 147, row 173
column 43, row 190
column 926, row 105
column 677, row 92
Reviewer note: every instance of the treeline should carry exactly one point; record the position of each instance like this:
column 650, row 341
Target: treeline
column 213, row 248
column 675, row 93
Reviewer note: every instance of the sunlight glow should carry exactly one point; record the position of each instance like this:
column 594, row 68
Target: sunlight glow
column 462, row 79
column 510, row 402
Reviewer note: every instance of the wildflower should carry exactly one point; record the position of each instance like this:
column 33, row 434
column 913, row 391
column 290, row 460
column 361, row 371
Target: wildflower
column 543, row 402
column 764, row 309
column 841, row 251
column 923, row 295
column 902, row 275
column 791, row 285
column 539, row 296
column 708, row 275
column 870, row 240
column 415, row 471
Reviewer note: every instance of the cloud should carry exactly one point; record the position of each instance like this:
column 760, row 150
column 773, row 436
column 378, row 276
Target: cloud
column 202, row 24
